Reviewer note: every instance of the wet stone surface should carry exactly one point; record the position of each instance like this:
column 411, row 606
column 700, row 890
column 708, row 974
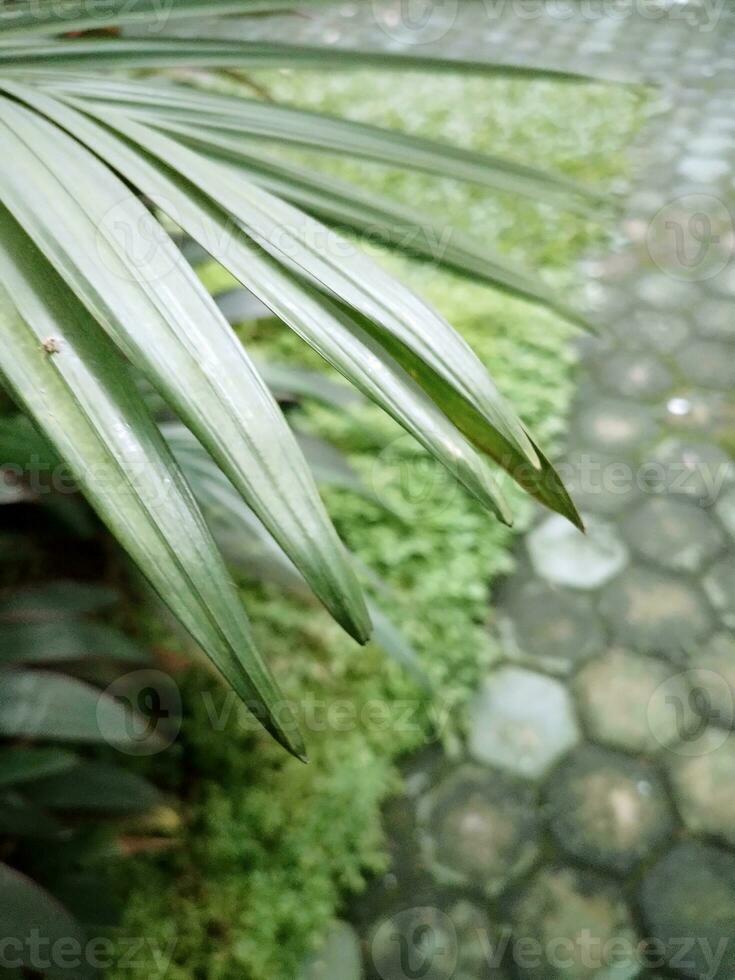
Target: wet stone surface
column 552, row 629
column 655, row 612
column 674, row 534
column 701, row 471
column 690, row 894
column 621, row 699
column 635, row 375
column 719, row 585
column 565, row 923
column 704, row 783
column 479, row 828
column 708, row 363
column 607, row 809
column 560, row 554
column 614, row 426
column 522, row 721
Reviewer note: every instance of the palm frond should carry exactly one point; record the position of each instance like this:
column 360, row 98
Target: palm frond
column 84, row 297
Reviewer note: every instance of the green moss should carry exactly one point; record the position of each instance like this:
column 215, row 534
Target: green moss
column 272, row 846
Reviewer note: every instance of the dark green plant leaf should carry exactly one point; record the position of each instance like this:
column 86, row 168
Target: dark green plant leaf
column 21, row 765
column 54, row 601
column 43, row 705
column 26, row 910
column 20, row 818
column 93, row 786
column 66, row 641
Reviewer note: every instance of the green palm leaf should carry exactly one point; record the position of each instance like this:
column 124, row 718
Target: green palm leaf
column 82, row 398
column 166, row 323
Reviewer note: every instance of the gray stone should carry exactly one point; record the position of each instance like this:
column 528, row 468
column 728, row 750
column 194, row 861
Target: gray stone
column 704, row 784
column 691, row 893
column 522, row 722
column 560, row 909
column 598, row 483
column 613, row 426
column 663, row 292
column 673, row 534
column 719, row 584
column 716, row 320
column 438, row 942
column 662, row 332
column 710, row 363
column 714, row 677
column 703, row 169
column 338, row 958
column 478, row 827
column 607, row 809
column 620, row 700
column 654, row 612
column 725, row 510
column 561, row 554
column 635, row 375
column 703, row 411
column 419, row 940
column 551, row 628
column 699, row 470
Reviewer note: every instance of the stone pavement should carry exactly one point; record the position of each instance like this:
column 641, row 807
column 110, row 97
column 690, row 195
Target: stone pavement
column 590, row 829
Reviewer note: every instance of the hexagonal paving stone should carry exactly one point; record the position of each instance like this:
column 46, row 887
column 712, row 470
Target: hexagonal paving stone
column 699, row 470
column 419, row 939
column 563, row 555
column 613, row 426
column 635, row 375
column 688, row 902
column 704, row 784
column 719, row 584
column 725, row 510
column 709, row 363
column 704, row 170
column 700, row 411
column 715, row 320
column 663, row 332
column 652, row 612
column 571, row 925
column 715, row 666
column 673, row 534
column 607, row 809
column 616, row 696
column 598, row 483
column 551, row 628
column 478, row 827
column 454, row 942
column 521, row 721
column 482, row 944
column 663, row 292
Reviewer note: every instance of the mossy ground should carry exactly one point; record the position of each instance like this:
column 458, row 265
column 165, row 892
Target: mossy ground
column 272, row 847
